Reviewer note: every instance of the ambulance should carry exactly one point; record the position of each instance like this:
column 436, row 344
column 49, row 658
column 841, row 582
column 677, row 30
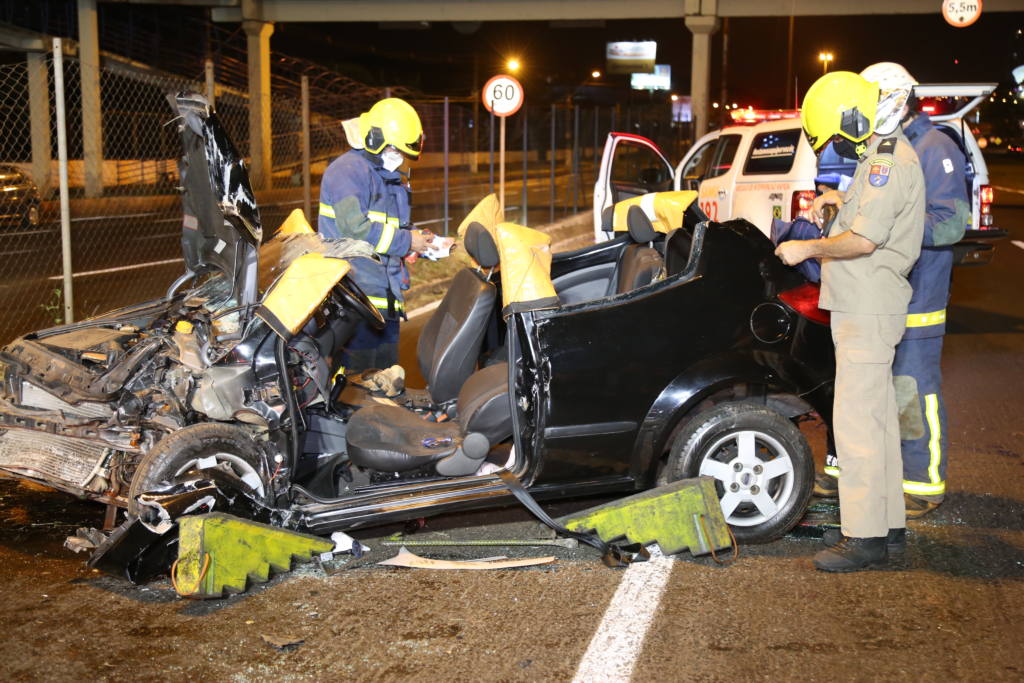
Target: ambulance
column 761, row 167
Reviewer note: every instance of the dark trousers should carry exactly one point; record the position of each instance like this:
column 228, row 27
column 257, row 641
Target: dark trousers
column 918, row 376
column 370, row 348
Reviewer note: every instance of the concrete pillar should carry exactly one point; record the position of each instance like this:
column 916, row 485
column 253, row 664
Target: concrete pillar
column 92, row 121
column 257, row 35
column 700, row 71
column 39, row 116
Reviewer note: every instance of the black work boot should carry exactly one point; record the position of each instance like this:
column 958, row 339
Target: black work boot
column 895, row 541
column 852, row 555
column 825, row 485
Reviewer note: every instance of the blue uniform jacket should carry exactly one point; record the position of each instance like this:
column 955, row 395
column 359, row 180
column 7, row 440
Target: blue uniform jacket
column 359, row 199
column 946, row 214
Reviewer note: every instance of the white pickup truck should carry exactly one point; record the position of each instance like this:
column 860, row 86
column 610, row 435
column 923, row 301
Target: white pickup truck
column 766, row 169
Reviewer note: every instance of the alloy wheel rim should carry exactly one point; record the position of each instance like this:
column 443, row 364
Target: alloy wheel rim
column 754, row 474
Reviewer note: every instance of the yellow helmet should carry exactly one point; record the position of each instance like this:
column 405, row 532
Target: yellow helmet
column 392, row 121
column 840, row 103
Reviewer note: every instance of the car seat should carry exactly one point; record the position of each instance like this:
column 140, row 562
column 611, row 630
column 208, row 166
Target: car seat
column 449, row 344
column 640, row 262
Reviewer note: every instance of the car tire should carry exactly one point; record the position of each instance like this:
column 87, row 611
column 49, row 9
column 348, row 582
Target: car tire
column 734, row 443
column 178, row 452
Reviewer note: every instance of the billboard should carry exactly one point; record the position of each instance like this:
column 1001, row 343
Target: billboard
column 661, row 79
column 630, row 57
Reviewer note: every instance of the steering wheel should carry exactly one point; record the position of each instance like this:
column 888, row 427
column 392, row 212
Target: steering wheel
column 354, row 298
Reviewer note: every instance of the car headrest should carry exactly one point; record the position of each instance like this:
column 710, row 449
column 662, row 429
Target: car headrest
column 608, row 218
column 640, row 227
column 480, row 245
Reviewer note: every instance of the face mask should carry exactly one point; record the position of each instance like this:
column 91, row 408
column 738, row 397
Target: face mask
column 847, row 149
column 391, row 159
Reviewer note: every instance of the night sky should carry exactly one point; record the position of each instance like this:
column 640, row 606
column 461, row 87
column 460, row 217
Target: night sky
column 439, row 59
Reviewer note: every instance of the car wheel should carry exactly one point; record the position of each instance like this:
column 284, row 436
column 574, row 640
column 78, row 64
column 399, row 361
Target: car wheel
column 231, row 447
column 31, row 217
column 761, row 463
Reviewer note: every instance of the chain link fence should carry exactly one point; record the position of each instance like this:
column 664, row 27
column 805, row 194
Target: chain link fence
column 27, row 300
column 124, row 206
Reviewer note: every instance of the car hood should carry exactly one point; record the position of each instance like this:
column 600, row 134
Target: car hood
column 221, row 229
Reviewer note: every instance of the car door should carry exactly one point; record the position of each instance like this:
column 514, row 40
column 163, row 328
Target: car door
column 631, row 166
column 716, row 192
column 694, row 166
column 776, row 176
column 947, row 104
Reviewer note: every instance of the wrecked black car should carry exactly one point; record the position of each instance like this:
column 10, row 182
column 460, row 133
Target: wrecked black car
column 681, row 348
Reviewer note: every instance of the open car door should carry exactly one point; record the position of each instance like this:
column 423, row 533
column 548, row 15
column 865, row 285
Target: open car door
column 964, row 97
column 631, row 166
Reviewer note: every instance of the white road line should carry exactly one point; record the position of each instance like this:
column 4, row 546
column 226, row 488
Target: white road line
column 619, row 639
column 1017, row 243
column 105, row 271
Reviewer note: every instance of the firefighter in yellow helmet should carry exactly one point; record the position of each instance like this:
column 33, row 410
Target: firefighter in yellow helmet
column 866, row 257
column 364, row 195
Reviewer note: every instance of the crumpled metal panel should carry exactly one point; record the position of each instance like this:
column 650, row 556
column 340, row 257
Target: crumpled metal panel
column 49, row 457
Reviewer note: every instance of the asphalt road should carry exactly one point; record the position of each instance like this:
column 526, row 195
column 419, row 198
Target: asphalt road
column 953, row 610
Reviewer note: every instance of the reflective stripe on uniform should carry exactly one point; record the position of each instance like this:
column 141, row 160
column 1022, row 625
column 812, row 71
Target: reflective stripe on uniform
column 387, row 230
column 935, row 485
column 921, row 489
column 326, row 210
column 926, row 319
column 382, row 303
column 832, row 471
column 387, row 233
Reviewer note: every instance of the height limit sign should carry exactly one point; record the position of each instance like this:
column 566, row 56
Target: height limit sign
column 502, row 96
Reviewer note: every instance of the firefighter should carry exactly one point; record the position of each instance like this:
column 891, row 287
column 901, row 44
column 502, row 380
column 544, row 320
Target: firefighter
column 364, row 196
column 872, row 246
column 916, row 369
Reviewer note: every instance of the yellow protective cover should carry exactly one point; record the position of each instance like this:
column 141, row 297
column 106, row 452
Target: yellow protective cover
column 302, row 287
column 296, row 223
column 487, row 213
column 665, row 209
column 525, row 256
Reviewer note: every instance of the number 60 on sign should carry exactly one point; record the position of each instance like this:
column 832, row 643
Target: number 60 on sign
column 502, row 95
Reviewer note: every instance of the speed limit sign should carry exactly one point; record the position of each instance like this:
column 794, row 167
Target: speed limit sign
column 503, row 95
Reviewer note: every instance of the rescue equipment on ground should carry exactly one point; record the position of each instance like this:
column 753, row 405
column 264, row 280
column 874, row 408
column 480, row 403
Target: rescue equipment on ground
column 682, row 515
column 219, row 553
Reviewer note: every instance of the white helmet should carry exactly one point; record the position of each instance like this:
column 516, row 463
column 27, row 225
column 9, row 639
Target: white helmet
column 895, row 87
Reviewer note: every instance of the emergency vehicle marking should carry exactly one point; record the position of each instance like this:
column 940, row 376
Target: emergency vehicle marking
column 710, row 209
column 762, row 187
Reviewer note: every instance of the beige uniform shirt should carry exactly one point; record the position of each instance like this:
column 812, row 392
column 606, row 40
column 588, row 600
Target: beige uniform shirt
column 885, row 203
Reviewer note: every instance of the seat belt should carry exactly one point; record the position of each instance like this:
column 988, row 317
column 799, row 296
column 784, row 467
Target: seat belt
column 612, row 555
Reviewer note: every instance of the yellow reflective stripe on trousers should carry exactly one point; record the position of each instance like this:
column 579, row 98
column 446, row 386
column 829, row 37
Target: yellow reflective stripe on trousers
column 935, row 485
column 926, row 319
column 382, row 303
column 831, row 471
column 326, row 210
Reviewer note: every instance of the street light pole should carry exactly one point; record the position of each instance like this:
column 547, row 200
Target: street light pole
column 825, row 58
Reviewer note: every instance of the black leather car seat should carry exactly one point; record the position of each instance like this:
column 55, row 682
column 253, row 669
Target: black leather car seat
column 449, row 344
column 639, row 263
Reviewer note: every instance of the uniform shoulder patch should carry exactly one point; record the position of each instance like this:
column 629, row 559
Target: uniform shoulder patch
column 887, row 146
column 878, row 174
